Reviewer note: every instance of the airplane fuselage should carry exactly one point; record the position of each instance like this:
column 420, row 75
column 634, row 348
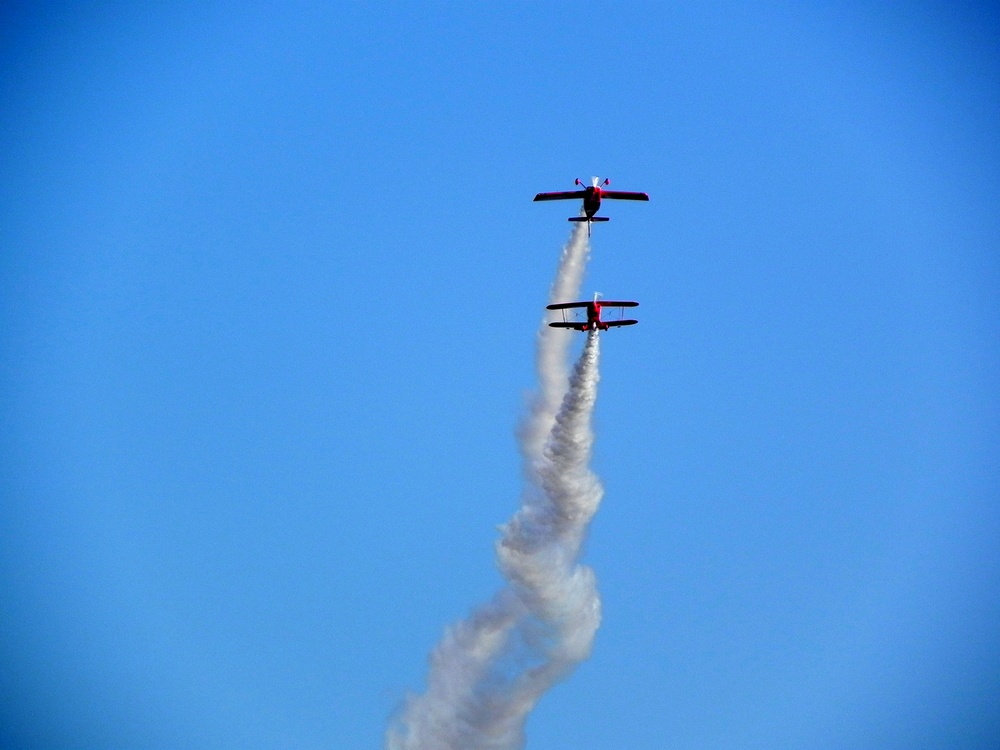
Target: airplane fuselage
column 594, row 316
column 591, row 200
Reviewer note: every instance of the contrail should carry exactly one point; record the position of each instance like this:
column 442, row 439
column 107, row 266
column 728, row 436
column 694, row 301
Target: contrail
column 489, row 670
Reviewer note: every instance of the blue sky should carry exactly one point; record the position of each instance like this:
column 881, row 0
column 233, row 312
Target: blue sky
column 271, row 277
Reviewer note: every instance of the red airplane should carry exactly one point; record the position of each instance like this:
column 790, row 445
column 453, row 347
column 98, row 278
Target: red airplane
column 594, row 308
column 592, row 199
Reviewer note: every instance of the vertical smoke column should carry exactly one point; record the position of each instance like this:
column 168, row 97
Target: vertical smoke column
column 553, row 348
column 490, row 669
column 540, row 547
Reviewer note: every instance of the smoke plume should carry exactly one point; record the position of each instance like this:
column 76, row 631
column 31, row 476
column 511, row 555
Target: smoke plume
column 489, row 670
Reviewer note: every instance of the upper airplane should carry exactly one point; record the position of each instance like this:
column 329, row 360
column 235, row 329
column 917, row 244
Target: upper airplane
column 592, row 199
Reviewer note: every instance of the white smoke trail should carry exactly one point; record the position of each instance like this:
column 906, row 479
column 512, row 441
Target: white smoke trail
column 539, row 550
column 489, row 670
column 553, row 346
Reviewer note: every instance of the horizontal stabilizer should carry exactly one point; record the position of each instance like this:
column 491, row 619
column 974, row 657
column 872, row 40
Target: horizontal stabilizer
column 592, row 218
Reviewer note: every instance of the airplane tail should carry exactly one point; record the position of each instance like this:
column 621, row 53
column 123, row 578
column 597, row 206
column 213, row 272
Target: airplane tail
column 589, row 219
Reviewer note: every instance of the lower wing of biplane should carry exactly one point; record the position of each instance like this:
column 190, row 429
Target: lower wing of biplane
column 602, row 324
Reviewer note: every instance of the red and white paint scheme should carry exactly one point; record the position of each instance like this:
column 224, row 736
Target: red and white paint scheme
column 594, row 308
column 592, row 197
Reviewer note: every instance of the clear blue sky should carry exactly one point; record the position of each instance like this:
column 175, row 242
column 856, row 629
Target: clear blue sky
column 270, row 276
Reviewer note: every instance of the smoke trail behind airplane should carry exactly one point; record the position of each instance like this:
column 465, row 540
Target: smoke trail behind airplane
column 552, row 348
column 489, row 670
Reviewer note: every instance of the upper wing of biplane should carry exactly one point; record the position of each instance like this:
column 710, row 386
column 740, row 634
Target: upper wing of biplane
column 622, row 195
column 561, row 196
column 566, row 305
column 617, row 303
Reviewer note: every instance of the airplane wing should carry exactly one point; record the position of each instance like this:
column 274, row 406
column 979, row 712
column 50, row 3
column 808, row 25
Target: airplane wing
column 560, row 324
column 613, row 323
column 560, row 196
column 622, row 195
column 566, row 305
column 617, row 303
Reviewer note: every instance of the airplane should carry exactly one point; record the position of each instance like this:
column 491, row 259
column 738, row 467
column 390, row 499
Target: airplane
column 594, row 308
column 592, row 199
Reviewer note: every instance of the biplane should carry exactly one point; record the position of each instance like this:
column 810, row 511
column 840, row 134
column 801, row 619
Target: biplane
column 592, row 197
column 594, row 320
